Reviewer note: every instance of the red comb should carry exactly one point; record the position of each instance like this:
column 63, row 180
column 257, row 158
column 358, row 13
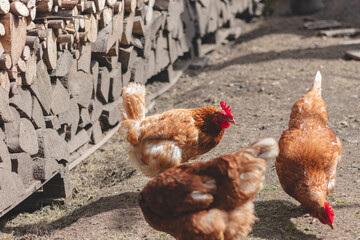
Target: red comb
column 330, row 212
column 226, row 109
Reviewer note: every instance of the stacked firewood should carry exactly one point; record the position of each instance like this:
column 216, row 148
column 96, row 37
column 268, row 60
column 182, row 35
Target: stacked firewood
column 63, row 64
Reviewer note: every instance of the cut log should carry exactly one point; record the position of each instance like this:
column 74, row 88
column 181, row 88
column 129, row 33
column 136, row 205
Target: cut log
column 106, row 39
column 23, row 164
column 44, row 6
column 37, row 116
column 21, row 66
column 22, row 102
column 161, row 53
column 19, row 9
column 2, row 50
column 68, row 4
column 32, row 14
column 118, row 7
column 30, row 74
column 84, row 60
column 11, row 188
column 4, row 6
column 78, row 140
column 60, row 98
column 5, row 81
column 103, row 85
column 41, row 88
column 5, row 61
column 353, row 54
column 51, row 145
column 5, row 110
column 111, row 3
column 137, row 72
column 50, row 52
column 66, row 38
column 322, row 24
column 56, row 24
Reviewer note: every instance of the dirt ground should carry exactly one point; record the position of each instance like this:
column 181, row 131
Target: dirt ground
column 261, row 75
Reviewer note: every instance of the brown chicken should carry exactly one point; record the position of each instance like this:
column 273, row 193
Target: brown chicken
column 208, row 200
column 309, row 154
column 167, row 139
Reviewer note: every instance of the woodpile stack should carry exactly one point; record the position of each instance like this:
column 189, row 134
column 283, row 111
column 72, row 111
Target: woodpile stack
column 63, row 64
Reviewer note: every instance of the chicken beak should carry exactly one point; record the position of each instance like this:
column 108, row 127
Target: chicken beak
column 232, row 121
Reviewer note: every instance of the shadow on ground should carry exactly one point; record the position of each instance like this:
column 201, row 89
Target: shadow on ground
column 275, row 220
column 104, row 204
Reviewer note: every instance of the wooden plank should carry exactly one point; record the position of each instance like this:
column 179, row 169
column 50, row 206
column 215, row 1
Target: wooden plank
column 353, row 54
column 322, row 24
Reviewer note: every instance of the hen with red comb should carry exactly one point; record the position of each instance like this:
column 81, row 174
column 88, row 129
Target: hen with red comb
column 167, row 139
column 309, row 155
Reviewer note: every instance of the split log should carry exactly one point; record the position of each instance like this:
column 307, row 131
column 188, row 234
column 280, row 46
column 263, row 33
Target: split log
column 21, row 66
column 12, row 188
column 19, row 9
column 33, row 42
column 44, row 168
column 127, row 57
column 15, row 35
column 2, row 30
column 106, row 17
column 71, row 119
column 51, row 145
column 5, row 81
column 68, row 4
column 130, row 6
column 22, row 102
column 22, row 164
column 100, row 5
column 41, row 88
column 60, row 98
column 95, row 109
column 80, row 86
column 5, row 61
column 26, row 53
column 96, row 133
column 78, row 140
column 50, row 52
column 111, row 3
column 91, row 27
column 21, row 136
column 84, row 118
column 64, row 62
column 138, row 26
column 52, row 122
column 5, row 161
column 128, row 28
column 6, row 114
column 30, row 74
column 84, row 60
column 161, row 53
column 37, row 116
column 115, row 83
column 137, row 72
column 95, row 74
column 118, row 7
column 89, row 7
column 103, row 85
column 110, row 115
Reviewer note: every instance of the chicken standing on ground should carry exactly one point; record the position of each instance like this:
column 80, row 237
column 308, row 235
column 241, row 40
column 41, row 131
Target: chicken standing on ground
column 208, row 200
column 167, row 139
column 309, row 154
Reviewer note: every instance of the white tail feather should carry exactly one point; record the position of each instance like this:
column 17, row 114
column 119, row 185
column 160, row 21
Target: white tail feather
column 133, row 102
